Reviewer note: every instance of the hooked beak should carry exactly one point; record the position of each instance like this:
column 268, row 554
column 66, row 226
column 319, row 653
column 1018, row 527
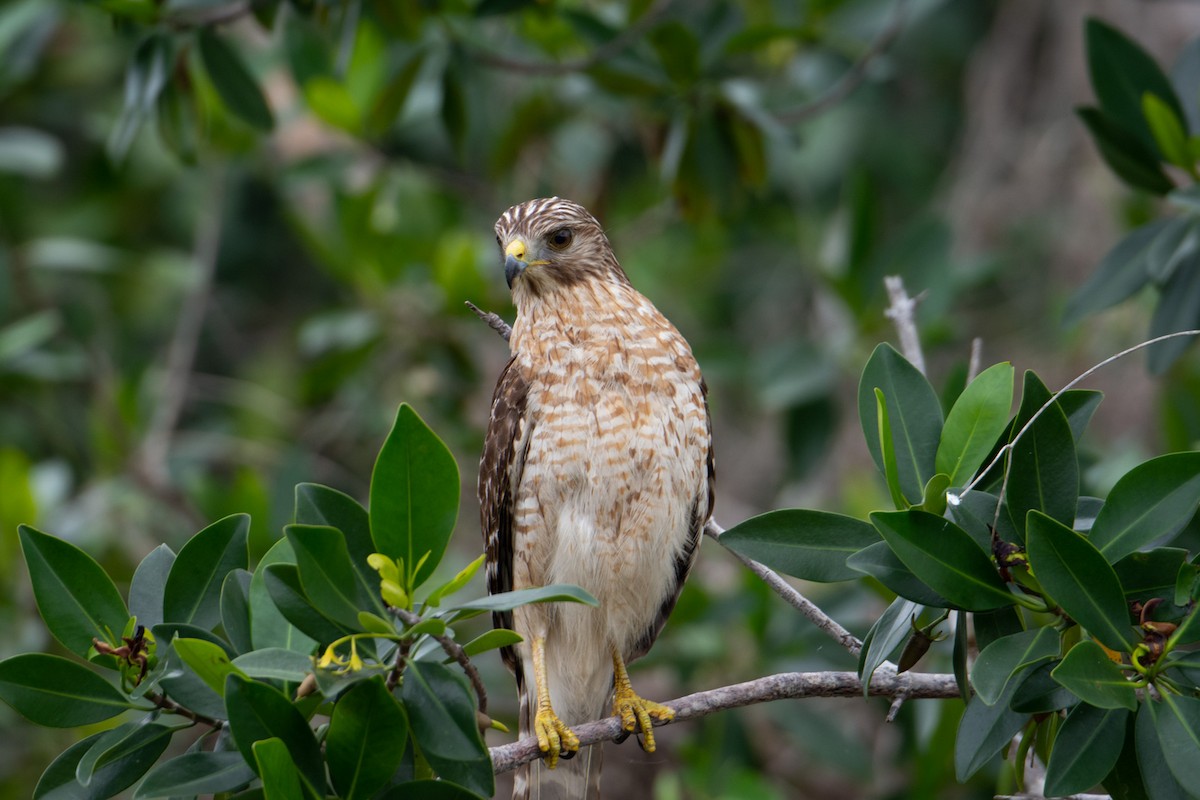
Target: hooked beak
column 512, row 268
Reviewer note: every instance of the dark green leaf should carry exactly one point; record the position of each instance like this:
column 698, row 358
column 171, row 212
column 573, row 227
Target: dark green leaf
column 328, row 578
column 945, row 557
column 1159, row 781
column 1124, row 781
column 268, row 627
column 258, row 711
column 148, row 72
column 308, row 54
column 1121, row 273
column 1085, row 750
column 58, row 782
column 1089, row 673
column 983, row 731
column 178, row 119
column 975, row 513
column 283, row 584
column 235, row 610
column 1174, row 246
column 1122, row 73
column 806, row 544
column 885, row 636
column 280, row 778
column 1178, row 724
column 1185, row 78
column 429, row 790
column 506, row 601
column 1005, row 657
column 196, row 773
column 1076, row 575
column 320, row 505
column 167, row 631
column 914, row 415
column 1128, row 156
column 147, row 585
column 991, row 625
column 1043, row 470
column 887, row 441
column 74, row 595
column 1153, row 501
column 275, row 663
column 367, row 735
column 390, row 102
column 979, row 415
column 442, row 715
column 414, row 495
column 187, row 688
column 962, row 646
column 454, row 105
column 137, row 745
column 883, row 565
column 1038, row 693
column 52, row 691
column 237, row 87
column 491, row 640
column 1150, row 574
column 1178, row 309
column 193, row 590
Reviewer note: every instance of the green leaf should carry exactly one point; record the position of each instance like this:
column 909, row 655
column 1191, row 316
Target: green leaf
column 962, row 646
column 178, row 118
column 883, row 565
column 258, row 711
column 1089, row 673
column 1043, row 471
column 268, row 626
column 933, row 498
column 148, row 72
column 507, row 601
column 320, row 505
column 1159, row 781
column 1178, row 309
column 806, row 544
column 428, row 790
column 1080, row 580
column 492, row 640
column 1121, row 273
column 454, row 103
column 1129, row 157
column 886, row 635
column 461, row 579
column 1122, row 74
column 414, row 495
column 1003, row 658
column 196, row 773
column 390, row 102
column 74, row 595
column 1150, row 574
column 1085, row 750
column 280, row 778
column 283, row 584
column 1124, row 781
column 107, row 779
column 1178, row 241
column 193, row 590
column 234, row 83
column 184, row 686
column 1178, row 726
column 147, row 586
column 914, row 414
column 1168, row 131
column 991, row 625
column 52, row 691
column 1153, row 501
column 1038, row 693
column 367, row 735
column 235, row 610
column 137, row 744
column 168, row 631
column 945, row 558
column 327, row 575
column 207, row 660
column 274, row 663
column 442, row 715
column 979, row 415
column 891, row 468
column 983, row 731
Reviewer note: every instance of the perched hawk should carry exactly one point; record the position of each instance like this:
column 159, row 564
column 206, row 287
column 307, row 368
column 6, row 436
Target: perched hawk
column 597, row 470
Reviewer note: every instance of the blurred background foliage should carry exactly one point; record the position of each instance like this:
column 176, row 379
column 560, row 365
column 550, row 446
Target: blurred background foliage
column 235, row 235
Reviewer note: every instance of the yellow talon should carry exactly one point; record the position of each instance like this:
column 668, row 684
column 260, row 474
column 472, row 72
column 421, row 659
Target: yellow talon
column 635, row 712
column 553, row 735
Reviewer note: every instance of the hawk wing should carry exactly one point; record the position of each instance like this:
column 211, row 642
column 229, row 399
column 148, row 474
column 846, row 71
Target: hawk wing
column 500, row 470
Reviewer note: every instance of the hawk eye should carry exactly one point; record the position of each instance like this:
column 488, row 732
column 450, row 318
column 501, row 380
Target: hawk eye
column 561, row 238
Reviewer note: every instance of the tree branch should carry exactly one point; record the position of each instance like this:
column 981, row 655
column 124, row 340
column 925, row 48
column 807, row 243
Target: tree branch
column 455, row 651
column 786, row 685
column 902, row 311
column 494, row 321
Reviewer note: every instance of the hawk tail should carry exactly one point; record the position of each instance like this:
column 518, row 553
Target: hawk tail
column 576, row 779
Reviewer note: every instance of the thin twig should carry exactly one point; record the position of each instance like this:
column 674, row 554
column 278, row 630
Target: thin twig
column 787, row 685
column 852, row 78
column 494, row 321
column 604, row 52
column 975, row 359
column 171, row 707
column 902, row 311
column 455, row 651
column 789, row 593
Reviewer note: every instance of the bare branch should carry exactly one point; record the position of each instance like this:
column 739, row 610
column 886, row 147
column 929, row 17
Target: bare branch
column 455, row 651
column 493, row 320
column 902, row 311
column 974, row 360
column 789, row 593
column 786, row 685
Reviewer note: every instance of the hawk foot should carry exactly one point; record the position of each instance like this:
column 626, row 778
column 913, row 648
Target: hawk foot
column 555, row 739
column 637, row 712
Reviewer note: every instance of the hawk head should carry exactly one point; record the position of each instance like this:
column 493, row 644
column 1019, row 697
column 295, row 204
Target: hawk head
column 553, row 243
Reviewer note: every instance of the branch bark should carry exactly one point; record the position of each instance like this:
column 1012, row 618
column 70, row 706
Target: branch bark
column 902, row 312
column 786, row 685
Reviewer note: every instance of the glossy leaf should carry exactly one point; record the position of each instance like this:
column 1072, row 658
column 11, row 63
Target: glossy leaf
column 1178, row 309
column 414, row 495
column 235, row 610
column 366, row 739
column 883, row 565
column 1160, row 782
column 211, row 663
column 107, row 779
column 944, row 557
column 321, row 505
column 1153, row 501
column 979, row 415
column 959, row 654
column 807, row 544
column 1005, row 657
column 137, row 745
column 460, row 579
column 237, row 87
column 268, row 626
column 1043, row 472
column 1121, row 273
column 196, row 773
column 1076, row 575
column 1038, row 693
column 983, row 731
column 1085, row 750
column 274, row 663
column 914, row 416
column 891, row 468
column 280, row 778
column 1089, row 673
column 1152, row 573
column 326, row 574
column 52, row 691
column 193, row 590
column 442, row 715
column 74, row 594
column 992, row 625
column 492, row 640
column 258, row 711
column 887, row 634
column 147, row 586
column 1128, row 156
column 1178, row 241
column 282, row 582
column 1177, row 721
column 507, row 601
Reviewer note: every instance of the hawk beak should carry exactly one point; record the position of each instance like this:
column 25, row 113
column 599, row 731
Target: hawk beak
column 513, row 267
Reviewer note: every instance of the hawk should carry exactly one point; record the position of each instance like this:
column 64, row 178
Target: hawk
column 597, row 470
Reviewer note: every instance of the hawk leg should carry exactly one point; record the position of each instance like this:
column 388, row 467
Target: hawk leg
column 635, row 711
column 555, row 739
